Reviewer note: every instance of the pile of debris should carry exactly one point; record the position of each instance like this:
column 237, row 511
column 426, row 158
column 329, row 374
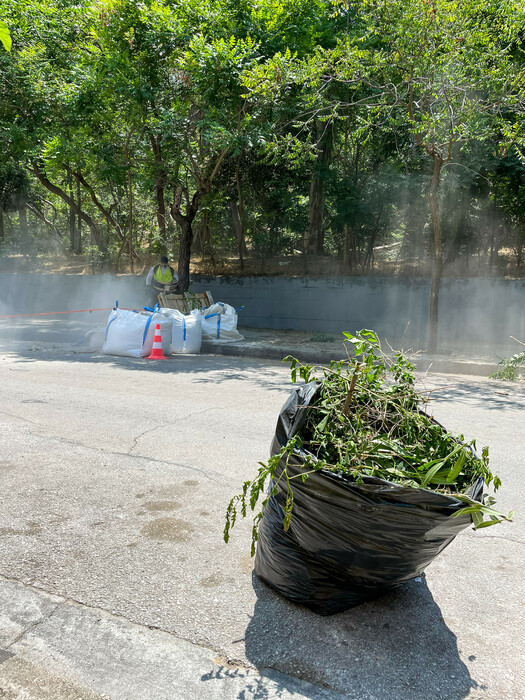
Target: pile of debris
column 366, row 488
column 132, row 333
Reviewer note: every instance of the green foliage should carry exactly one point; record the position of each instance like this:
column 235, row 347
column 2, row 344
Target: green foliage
column 513, row 368
column 101, row 261
column 368, row 420
column 235, row 99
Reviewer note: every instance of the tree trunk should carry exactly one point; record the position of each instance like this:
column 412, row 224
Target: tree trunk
column 186, row 240
column 207, row 248
column 315, row 216
column 493, row 248
column 369, row 256
column 2, row 231
column 160, row 181
column 72, row 214
column 313, row 240
column 350, row 252
column 198, row 240
column 243, row 250
column 185, row 222
column 519, row 250
column 78, row 228
column 130, row 218
column 346, row 249
column 22, row 220
column 437, row 266
column 239, row 233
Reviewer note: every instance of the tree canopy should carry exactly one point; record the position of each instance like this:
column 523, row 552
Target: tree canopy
column 386, row 133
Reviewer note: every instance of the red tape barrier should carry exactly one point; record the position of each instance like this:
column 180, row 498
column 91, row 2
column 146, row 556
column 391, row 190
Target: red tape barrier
column 54, row 313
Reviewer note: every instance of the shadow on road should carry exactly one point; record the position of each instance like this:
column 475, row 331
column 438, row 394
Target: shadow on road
column 214, row 369
column 494, row 395
column 489, row 394
column 206, row 368
column 397, row 647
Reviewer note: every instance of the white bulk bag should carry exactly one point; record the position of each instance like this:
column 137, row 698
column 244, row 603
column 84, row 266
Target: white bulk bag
column 186, row 331
column 131, row 334
column 124, row 333
column 219, row 324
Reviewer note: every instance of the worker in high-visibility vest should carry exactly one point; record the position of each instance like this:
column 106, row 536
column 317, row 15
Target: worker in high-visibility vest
column 162, row 276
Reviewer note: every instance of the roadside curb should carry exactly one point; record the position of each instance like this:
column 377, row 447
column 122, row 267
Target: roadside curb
column 435, row 364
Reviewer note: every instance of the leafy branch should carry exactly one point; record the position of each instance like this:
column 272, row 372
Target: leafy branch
column 366, row 420
column 512, row 367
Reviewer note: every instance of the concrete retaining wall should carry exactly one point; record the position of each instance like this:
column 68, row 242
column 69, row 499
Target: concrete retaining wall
column 473, row 312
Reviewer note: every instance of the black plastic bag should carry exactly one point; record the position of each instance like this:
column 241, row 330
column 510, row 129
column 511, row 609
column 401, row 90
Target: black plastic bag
column 348, row 542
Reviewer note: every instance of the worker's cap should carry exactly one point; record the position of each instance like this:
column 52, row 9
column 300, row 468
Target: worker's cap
column 164, row 260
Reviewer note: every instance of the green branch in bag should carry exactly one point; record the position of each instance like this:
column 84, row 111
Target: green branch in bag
column 367, row 419
column 252, row 491
column 477, row 510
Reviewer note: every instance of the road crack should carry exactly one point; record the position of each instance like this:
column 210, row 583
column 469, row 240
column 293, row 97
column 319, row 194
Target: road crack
column 34, row 625
column 172, row 423
column 20, row 418
column 115, row 453
column 145, row 432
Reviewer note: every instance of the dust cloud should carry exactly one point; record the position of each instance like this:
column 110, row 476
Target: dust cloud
column 35, row 293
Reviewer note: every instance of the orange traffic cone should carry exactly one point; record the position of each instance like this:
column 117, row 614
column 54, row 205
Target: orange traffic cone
column 156, row 351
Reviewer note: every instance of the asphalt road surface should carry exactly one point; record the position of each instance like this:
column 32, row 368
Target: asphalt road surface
column 114, row 578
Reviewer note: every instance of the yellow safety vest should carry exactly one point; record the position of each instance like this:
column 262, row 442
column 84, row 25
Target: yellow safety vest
column 163, row 277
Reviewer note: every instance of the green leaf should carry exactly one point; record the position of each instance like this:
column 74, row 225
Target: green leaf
column 477, row 519
column 322, row 425
column 5, row 36
column 431, row 473
column 458, row 466
column 487, row 523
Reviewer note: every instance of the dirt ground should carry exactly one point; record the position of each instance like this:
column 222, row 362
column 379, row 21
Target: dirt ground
column 288, row 266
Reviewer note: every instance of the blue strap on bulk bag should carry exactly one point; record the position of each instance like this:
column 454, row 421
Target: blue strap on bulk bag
column 152, row 310
column 148, row 322
column 219, row 314
column 107, row 327
column 146, row 329
column 115, row 308
column 218, row 321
